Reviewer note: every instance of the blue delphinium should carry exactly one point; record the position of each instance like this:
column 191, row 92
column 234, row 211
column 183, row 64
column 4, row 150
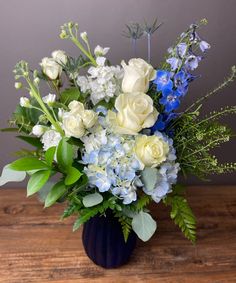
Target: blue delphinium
column 170, row 99
column 163, row 80
column 173, row 85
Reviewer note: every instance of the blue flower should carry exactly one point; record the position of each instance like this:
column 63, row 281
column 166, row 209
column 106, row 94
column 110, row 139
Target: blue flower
column 175, row 63
column 101, row 181
column 191, row 62
column 170, row 99
column 163, row 80
column 182, row 49
column 203, row 45
column 163, row 121
column 181, row 82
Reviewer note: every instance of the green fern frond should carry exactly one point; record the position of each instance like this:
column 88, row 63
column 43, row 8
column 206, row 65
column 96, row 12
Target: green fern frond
column 126, row 225
column 183, row 216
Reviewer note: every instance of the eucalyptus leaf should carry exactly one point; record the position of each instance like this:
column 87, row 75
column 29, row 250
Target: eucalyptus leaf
column 144, row 225
column 149, row 178
column 28, row 164
column 55, row 193
column 64, row 154
column 9, row 175
column 37, row 181
column 92, row 200
column 72, row 176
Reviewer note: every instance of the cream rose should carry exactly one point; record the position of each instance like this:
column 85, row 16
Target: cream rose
column 89, row 118
column 78, row 119
column 151, row 150
column 51, row 68
column 135, row 112
column 59, row 56
column 137, row 75
column 76, row 107
column 73, row 125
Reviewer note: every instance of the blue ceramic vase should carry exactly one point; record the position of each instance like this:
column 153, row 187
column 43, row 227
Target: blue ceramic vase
column 104, row 243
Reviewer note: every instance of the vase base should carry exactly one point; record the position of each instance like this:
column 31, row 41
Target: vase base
column 104, row 242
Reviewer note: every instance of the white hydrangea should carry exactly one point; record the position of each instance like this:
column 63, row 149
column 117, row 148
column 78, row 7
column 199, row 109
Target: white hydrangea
column 103, row 82
column 50, row 138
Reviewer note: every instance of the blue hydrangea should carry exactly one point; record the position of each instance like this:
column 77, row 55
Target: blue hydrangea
column 111, row 165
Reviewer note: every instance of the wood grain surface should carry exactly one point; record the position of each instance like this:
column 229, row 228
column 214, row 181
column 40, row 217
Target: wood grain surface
column 35, row 246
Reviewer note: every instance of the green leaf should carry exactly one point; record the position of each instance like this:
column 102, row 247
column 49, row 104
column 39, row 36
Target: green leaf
column 69, row 95
column 183, row 216
column 92, row 200
column 37, row 181
column 56, row 192
column 44, row 191
column 144, row 225
column 9, row 175
column 84, row 218
column 72, row 176
column 28, row 164
column 31, row 140
column 149, row 178
column 64, row 154
column 49, row 155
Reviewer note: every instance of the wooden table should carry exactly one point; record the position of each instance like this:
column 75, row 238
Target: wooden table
column 35, row 246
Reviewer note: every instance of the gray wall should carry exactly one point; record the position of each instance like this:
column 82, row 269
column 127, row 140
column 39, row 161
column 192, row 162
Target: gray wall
column 29, row 30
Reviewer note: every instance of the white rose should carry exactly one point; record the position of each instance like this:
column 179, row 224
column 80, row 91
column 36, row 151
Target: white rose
column 137, row 75
column 100, row 51
column 89, row 118
column 49, row 99
column 73, row 125
column 24, row 102
column 38, row 130
column 151, row 150
column 135, row 112
column 51, row 68
column 59, row 56
column 76, row 108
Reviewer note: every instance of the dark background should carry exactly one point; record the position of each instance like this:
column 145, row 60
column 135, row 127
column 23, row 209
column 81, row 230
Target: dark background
column 29, row 30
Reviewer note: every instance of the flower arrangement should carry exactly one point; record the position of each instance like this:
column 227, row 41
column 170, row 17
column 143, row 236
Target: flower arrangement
column 113, row 134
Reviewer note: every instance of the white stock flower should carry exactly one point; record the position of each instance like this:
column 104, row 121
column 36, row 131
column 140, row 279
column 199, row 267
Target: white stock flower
column 49, row 99
column 103, row 82
column 38, row 130
column 137, row 75
column 135, row 111
column 84, row 36
column 18, row 85
column 101, row 61
column 50, row 68
column 24, row 102
column 59, row 56
column 50, row 138
column 100, row 51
